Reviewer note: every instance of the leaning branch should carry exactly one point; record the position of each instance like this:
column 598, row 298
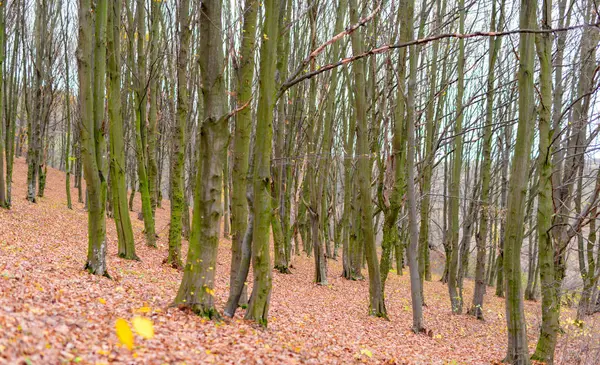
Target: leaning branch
column 295, row 79
column 237, row 110
column 349, row 30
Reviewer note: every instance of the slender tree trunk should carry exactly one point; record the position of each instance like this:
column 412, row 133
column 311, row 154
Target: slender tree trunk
column 500, row 285
column 92, row 131
column 140, row 126
column 348, row 243
column 376, row 298
column 11, row 110
column 312, row 184
column 3, row 203
column 178, row 139
column 515, row 315
column 241, row 149
column 68, row 118
column 424, row 265
column 153, row 89
column 390, row 225
column 455, row 290
column 122, row 219
column 415, row 281
column 258, row 307
column 283, row 134
column 486, row 168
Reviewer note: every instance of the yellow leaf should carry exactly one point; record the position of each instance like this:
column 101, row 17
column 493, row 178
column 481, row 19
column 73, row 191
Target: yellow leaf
column 366, row 352
column 143, row 310
column 124, row 333
column 102, row 300
column 209, row 291
column 143, row 327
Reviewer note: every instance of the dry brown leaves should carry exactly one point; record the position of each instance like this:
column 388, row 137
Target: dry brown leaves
column 51, row 311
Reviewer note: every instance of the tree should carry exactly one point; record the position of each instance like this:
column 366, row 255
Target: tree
column 415, row 281
column 93, row 144
column 241, row 152
column 429, row 153
column 258, row 307
column 486, row 167
column 554, row 230
column 398, row 159
column 141, row 102
column 515, row 317
column 153, row 91
column 454, row 283
column 117, row 143
column 197, row 285
column 3, row 203
column 178, row 138
column 67, row 115
column 376, row 299
column 313, row 129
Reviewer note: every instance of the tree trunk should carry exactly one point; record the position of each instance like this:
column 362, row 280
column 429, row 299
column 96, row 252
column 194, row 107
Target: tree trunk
column 153, row 89
column 197, row 286
column 140, row 126
column 3, row 203
column 390, row 228
column 415, row 281
column 178, row 139
column 486, row 168
column 311, row 181
column 68, row 118
column 258, row 307
column 92, row 131
column 515, row 315
column 122, row 219
column 241, row 147
column 455, row 290
column 376, row 299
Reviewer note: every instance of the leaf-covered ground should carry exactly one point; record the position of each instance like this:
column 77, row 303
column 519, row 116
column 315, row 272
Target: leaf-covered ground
column 51, row 311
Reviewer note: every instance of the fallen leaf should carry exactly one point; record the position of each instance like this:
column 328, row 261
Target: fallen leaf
column 143, row 326
column 124, row 333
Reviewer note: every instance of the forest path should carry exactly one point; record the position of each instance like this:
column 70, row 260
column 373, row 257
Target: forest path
column 52, row 311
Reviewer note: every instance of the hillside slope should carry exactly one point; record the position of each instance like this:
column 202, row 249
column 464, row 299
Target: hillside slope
column 51, row 311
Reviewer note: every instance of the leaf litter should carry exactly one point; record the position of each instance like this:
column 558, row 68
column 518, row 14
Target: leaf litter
column 52, row 311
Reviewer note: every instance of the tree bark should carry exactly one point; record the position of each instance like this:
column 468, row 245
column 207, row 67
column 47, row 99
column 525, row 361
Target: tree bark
column 241, row 146
column 517, row 352
column 178, row 139
column 126, row 244
column 92, row 127
column 258, row 307
column 376, row 298
column 454, row 289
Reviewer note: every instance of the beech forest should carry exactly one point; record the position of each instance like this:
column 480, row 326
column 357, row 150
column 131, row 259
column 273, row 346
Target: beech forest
column 300, row 182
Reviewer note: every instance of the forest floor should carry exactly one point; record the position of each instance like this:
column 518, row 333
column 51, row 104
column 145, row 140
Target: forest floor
column 52, row 311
